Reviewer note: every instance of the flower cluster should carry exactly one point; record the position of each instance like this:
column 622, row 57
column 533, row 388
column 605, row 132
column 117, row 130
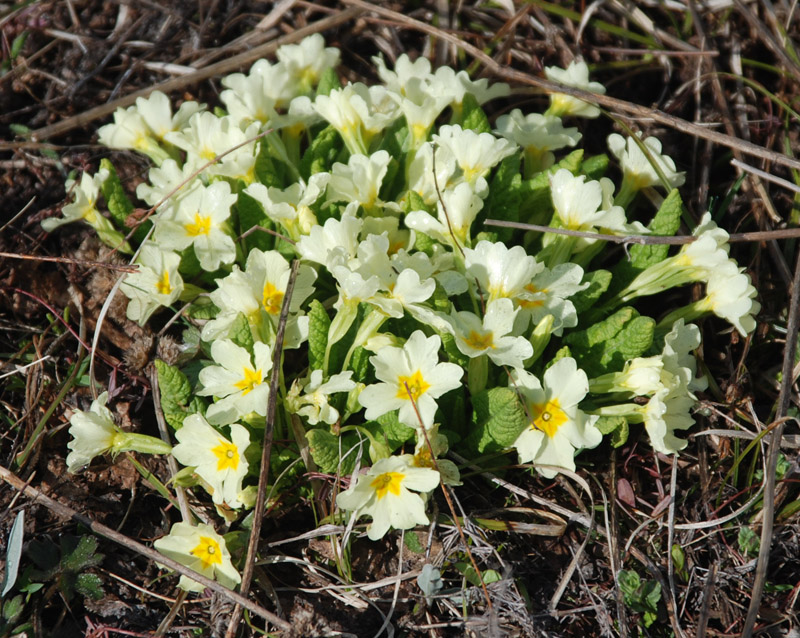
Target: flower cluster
column 409, row 326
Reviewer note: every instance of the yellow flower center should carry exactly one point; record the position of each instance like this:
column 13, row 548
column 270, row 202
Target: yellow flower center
column 227, row 456
column 532, row 303
column 208, row 551
column 272, row 299
column 250, row 380
column 417, row 386
column 200, row 226
column 163, row 287
column 387, row 482
column 548, row 417
column 480, row 341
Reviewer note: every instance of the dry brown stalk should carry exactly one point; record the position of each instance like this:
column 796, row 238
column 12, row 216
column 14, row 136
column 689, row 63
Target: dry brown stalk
column 98, row 528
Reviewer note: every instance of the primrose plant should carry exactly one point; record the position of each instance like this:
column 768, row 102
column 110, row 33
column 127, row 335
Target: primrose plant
column 351, row 221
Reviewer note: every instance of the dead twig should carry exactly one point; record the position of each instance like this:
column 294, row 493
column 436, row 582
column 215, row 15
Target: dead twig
column 106, row 532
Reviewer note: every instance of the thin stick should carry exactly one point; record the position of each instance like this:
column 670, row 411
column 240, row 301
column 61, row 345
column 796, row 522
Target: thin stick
column 266, row 451
column 603, row 100
column 106, row 532
column 175, row 84
column 672, row 240
column 774, row 447
column 67, row 260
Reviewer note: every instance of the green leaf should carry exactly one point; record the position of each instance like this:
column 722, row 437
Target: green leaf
column 328, row 82
column 389, row 430
column 175, row 392
column 117, row 201
column 359, row 364
column 82, row 556
column 250, row 215
column 411, row 541
column 505, row 195
column 202, row 308
column 13, row 608
column 269, row 171
column 13, row 553
column 595, row 167
column 414, row 201
column 536, row 206
column 322, row 152
column 240, row 332
column 499, row 419
column 318, row 324
column 89, row 586
column 324, row 448
column 474, row 116
column 619, row 437
column 749, row 542
column 571, row 162
column 666, row 222
column 678, row 558
column 17, row 44
column 598, row 281
column 605, row 346
column 607, row 424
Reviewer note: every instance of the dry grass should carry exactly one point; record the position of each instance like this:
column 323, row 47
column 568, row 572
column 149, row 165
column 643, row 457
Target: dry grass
column 715, row 81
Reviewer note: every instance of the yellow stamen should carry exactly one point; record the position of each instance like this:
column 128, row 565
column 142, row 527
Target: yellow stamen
column 548, row 417
column 272, row 299
column 250, row 380
column 200, row 226
column 227, row 456
column 416, row 385
column 208, row 551
column 163, row 287
column 532, row 303
column 387, row 482
column 480, row 341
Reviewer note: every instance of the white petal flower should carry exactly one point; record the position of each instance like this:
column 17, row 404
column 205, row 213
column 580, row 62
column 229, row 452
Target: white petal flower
column 558, row 428
column 730, row 295
column 637, row 168
column 157, row 283
column 421, row 174
column 95, row 433
column 334, row 243
column 290, row 207
column 255, row 97
column 475, row 153
column 578, row 204
column 455, row 85
column 417, row 366
column 548, row 293
column 258, row 294
column 220, row 462
column 384, row 494
column 678, row 354
column 360, row 181
column 199, row 221
column 501, row 271
column 405, row 71
column 490, row 336
column 201, row 549
column 241, row 385
column 307, row 60
column 313, row 403
column 538, row 135
column 667, row 411
column 576, row 75
column 455, row 216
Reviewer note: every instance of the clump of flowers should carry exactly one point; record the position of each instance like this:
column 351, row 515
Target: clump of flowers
column 412, row 326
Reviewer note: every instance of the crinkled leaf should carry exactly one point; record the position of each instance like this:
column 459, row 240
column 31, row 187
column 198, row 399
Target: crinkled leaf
column 175, row 391
column 414, row 201
column 359, row 364
column 117, row 201
column 251, row 215
column 505, row 195
column 12, row 609
column 322, row 152
column 474, row 116
column 240, row 332
column 599, row 281
column 89, row 586
column 202, row 308
column 82, row 556
column 589, row 346
column 595, row 167
column 328, row 82
column 412, row 542
column 324, row 448
column 454, row 355
column 389, row 430
column 269, row 171
column 632, row 341
column 499, row 419
column 318, row 324
column 448, row 471
column 666, row 222
column 616, row 426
